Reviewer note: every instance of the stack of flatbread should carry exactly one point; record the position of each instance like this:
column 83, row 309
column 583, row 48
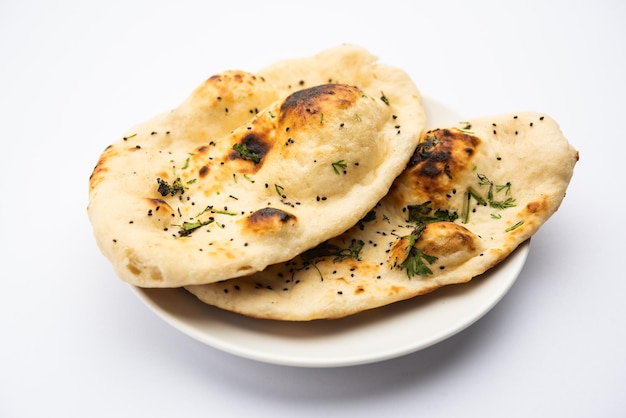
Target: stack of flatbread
column 311, row 190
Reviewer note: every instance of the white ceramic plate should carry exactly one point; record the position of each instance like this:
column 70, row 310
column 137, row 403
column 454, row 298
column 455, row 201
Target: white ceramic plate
column 368, row 337
column 371, row 336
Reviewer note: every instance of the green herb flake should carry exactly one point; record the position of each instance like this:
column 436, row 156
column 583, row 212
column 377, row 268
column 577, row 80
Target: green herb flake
column 471, row 193
column 188, row 227
column 246, row 154
column 497, row 204
column 165, row 188
column 339, row 165
column 416, row 259
column 514, row 227
column 384, row 98
column 504, row 204
column 223, row 212
column 369, row 217
column 466, row 128
column 423, row 214
column 491, row 201
column 327, row 249
column 506, row 187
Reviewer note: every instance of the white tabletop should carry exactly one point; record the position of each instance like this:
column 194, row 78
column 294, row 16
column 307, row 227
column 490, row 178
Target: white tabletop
column 76, row 342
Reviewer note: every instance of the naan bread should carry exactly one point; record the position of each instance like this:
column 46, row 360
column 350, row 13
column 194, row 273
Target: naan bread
column 469, row 196
column 253, row 169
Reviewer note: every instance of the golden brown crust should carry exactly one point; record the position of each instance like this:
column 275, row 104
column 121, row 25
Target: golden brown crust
column 432, row 170
column 268, row 220
column 468, row 197
column 247, row 173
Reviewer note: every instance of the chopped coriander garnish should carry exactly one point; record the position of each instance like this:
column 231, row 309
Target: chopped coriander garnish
column 466, row 128
column 326, row 249
column 369, row 217
column 421, row 214
column 165, row 188
column 351, row 252
column 414, row 261
column 483, row 180
column 506, row 187
column 246, row 154
column 508, row 203
column 339, row 165
column 223, row 212
column 188, row 227
column 513, row 227
column 471, row 193
column 279, row 190
column 503, row 204
column 384, row 98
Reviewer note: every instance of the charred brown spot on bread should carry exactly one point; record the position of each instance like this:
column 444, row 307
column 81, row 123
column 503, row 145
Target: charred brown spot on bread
column 224, row 84
column 159, row 212
column 100, row 168
column 204, row 170
column 268, row 220
column 437, row 160
column 163, row 175
column 159, row 204
column 305, row 103
column 441, row 148
column 393, row 290
column 252, row 147
column 537, row 206
column 214, row 78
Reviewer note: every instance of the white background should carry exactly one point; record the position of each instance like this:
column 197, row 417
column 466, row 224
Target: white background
column 76, row 342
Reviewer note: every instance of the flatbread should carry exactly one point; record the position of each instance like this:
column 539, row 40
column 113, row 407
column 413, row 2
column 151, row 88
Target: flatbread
column 469, row 196
column 251, row 171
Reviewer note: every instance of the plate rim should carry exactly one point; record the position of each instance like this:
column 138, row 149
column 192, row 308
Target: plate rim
column 511, row 265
